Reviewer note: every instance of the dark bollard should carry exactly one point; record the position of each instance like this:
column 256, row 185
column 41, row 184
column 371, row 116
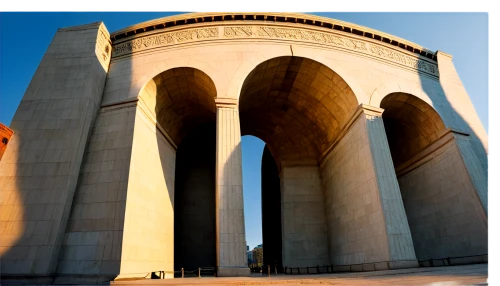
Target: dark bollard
column 317, row 269
column 154, row 276
column 269, row 270
column 286, row 268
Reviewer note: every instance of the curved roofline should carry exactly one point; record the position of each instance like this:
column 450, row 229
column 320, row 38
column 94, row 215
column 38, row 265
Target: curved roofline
column 304, row 19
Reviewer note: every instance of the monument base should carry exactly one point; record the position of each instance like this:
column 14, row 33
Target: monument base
column 376, row 266
column 233, row 272
column 403, row 264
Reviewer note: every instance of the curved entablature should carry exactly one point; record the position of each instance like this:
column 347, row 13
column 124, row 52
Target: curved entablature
column 292, row 28
column 295, row 18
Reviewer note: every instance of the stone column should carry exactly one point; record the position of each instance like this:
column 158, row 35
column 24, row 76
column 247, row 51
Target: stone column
column 230, row 226
column 401, row 250
column 367, row 224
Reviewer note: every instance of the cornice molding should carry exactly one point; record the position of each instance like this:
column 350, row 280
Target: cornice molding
column 275, row 31
column 288, row 18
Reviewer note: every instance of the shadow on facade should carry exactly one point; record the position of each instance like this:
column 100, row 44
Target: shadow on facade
column 271, row 213
column 40, row 170
column 194, row 219
column 441, row 168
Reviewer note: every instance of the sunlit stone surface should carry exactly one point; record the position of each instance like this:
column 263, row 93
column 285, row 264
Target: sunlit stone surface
column 382, row 159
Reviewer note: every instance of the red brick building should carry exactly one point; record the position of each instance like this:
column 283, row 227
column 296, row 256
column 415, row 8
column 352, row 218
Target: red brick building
column 5, row 134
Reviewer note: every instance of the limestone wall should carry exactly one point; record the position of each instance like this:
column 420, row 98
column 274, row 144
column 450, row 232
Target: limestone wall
column 93, row 242
column 148, row 232
column 39, row 171
column 465, row 116
column 445, row 215
column 304, row 224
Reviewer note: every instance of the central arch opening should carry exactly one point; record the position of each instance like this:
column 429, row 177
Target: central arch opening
column 298, row 107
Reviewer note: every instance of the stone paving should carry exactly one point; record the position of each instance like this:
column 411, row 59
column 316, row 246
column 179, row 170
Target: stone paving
column 476, row 274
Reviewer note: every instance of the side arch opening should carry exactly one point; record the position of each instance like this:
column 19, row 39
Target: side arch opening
column 443, row 210
column 182, row 102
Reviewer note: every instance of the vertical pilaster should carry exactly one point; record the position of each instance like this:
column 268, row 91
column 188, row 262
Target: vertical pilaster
column 400, row 244
column 230, row 226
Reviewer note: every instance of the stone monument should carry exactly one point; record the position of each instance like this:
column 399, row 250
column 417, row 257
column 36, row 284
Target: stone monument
column 376, row 156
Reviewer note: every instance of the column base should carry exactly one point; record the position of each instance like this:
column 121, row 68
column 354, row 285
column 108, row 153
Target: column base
column 403, row 264
column 233, row 272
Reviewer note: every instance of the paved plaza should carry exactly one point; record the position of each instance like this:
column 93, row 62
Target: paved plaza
column 476, row 274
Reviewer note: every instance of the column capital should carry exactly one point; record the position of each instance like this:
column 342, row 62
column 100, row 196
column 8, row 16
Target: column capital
column 370, row 110
column 226, row 102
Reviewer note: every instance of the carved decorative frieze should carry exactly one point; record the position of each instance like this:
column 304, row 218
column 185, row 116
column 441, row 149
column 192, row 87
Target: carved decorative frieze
column 352, row 44
column 165, row 39
column 403, row 59
column 271, row 32
column 230, row 32
column 305, row 35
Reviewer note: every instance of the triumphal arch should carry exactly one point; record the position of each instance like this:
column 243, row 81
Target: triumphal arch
column 126, row 155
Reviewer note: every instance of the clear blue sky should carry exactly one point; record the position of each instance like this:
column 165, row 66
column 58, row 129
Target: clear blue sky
column 24, row 38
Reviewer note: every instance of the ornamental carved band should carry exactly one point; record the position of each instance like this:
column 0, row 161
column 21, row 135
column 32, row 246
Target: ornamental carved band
column 165, row 39
column 284, row 33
